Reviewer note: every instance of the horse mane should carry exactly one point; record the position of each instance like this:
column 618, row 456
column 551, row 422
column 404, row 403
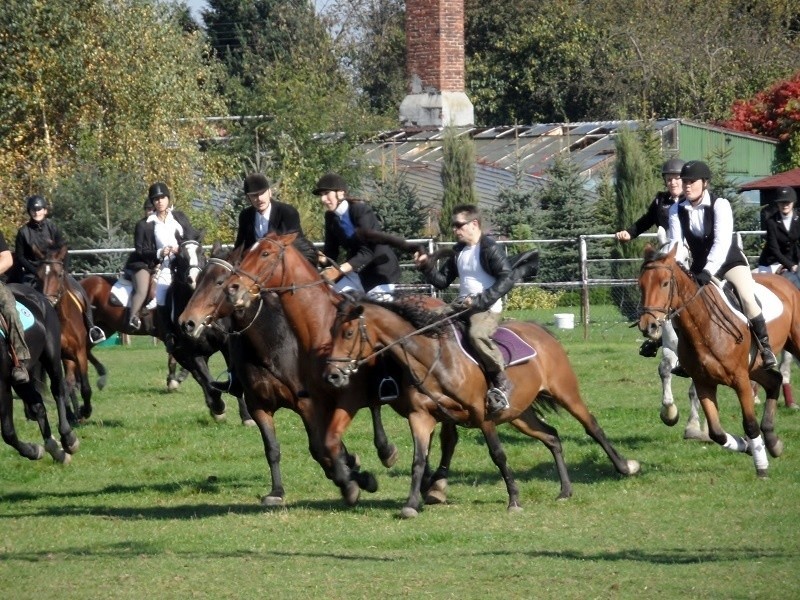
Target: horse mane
column 413, row 310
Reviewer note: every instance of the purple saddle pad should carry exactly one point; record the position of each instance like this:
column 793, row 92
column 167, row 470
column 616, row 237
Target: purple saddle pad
column 514, row 349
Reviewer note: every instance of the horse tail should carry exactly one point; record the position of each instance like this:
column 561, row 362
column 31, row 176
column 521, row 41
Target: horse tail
column 544, row 403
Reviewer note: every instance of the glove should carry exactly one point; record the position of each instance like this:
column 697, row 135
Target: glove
column 331, row 273
column 703, row 278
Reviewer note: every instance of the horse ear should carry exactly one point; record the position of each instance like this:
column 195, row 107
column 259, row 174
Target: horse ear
column 289, row 238
column 649, row 252
column 216, row 248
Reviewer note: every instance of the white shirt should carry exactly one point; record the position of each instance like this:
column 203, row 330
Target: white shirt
column 472, row 277
column 167, row 231
column 723, row 229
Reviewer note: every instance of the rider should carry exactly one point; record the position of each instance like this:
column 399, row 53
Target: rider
column 705, row 222
column 35, row 237
column 157, row 239
column 484, row 274
column 139, row 268
column 657, row 215
column 781, row 252
column 369, row 267
column 8, row 308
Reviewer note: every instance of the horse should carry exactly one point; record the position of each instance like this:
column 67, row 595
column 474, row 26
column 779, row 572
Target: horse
column 266, row 361
column 713, row 346
column 43, row 338
column 274, row 265
column 76, row 352
column 193, row 352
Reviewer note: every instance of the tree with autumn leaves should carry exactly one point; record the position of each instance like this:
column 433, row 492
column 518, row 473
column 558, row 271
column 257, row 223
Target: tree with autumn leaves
column 775, row 113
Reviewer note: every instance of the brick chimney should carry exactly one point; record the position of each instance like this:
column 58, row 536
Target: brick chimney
column 435, row 65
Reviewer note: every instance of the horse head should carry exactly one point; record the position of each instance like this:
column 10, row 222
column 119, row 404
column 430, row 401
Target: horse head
column 209, row 301
column 51, row 272
column 349, row 343
column 262, row 268
column 187, row 264
column 658, row 282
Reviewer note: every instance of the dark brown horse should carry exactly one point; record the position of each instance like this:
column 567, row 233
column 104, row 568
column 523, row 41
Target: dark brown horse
column 273, row 264
column 715, row 346
column 43, row 336
column 266, row 360
column 67, row 297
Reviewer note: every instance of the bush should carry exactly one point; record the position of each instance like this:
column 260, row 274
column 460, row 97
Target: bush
column 530, row 297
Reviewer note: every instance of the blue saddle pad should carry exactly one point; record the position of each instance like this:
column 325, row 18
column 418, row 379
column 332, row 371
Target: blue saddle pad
column 514, row 349
column 25, row 317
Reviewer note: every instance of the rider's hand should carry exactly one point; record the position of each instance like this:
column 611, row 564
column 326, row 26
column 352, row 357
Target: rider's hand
column 421, row 260
column 703, row 277
column 331, row 274
column 623, row 236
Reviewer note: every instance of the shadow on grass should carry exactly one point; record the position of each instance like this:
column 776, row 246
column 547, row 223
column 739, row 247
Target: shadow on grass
column 675, row 556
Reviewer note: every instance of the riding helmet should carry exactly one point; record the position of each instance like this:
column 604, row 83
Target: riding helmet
column 330, row 182
column 157, row 190
column 35, row 203
column 694, row 170
column 672, row 167
column 255, row 183
column 785, row 194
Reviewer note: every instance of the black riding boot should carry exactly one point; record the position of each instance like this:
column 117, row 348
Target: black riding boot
column 759, row 326
column 649, row 348
column 498, row 395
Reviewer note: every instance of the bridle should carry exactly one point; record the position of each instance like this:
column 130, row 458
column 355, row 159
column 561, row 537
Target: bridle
column 194, row 271
column 258, row 280
column 62, row 280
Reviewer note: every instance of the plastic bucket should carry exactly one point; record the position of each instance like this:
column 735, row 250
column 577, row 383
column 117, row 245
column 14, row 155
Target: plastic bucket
column 565, row 320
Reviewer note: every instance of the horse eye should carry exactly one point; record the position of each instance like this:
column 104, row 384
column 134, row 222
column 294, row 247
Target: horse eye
column 665, row 284
column 348, row 334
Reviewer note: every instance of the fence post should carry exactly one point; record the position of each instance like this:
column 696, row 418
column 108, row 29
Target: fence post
column 584, row 286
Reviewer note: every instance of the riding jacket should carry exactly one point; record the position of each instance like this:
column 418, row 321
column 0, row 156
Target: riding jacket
column 715, row 248
column 283, row 218
column 40, row 235
column 145, row 256
column 494, row 261
column 657, row 215
column 781, row 246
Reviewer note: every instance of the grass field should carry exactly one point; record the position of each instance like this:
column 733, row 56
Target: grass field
column 162, row 502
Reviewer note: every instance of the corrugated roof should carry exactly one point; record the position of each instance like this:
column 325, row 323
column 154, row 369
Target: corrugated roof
column 787, row 178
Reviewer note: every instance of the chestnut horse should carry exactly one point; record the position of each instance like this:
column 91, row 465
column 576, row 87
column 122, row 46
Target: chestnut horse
column 715, row 346
column 68, row 298
column 274, row 265
column 266, row 361
column 43, row 337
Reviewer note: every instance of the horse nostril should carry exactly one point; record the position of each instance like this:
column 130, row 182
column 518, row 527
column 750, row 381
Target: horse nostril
column 188, row 326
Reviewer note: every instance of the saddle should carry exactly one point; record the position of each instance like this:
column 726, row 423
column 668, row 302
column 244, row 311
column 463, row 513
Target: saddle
column 122, row 290
column 25, row 316
column 514, row 349
column 771, row 306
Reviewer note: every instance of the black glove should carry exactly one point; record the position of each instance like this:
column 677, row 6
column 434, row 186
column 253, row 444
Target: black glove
column 703, row 277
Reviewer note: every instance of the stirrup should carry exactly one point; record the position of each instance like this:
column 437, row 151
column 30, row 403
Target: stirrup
column 769, row 360
column 97, row 335
column 135, row 323
column 496, row 401
column 388, row 390
column 19, row 375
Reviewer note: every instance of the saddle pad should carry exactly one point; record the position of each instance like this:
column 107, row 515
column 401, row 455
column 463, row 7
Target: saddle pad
column 771, row 306
column 121, row 292
column 514, row 349
column 25, row 317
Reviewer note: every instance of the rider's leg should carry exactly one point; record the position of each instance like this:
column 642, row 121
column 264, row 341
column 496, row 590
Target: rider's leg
column 96, row 335
column 742, row 280
column 16, row 337
column 481, row 326
column 141, row 285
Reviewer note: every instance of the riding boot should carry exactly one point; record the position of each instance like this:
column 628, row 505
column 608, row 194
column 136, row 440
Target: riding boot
column 132, row 321
column 19, row 374
column 498, row 395
column 759, row 326
column 96, row 335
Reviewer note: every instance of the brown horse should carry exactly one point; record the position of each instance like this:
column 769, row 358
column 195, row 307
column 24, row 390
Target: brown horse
column 273, row 264
column 266, row 361
column 67, row 297
column 715, row 346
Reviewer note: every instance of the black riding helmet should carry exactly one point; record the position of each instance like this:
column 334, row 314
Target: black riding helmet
column 35, row 203
column 330, row 182
column 694, row 170
column 785, row 194
column 157, row 190
column 672, row 167
column 255, row 183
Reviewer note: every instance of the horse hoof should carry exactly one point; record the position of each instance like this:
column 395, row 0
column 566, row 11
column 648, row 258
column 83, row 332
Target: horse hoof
column 633, row 467
column 355, row 462
column 101, row 382
column 793, row 406
column 173, row 384
column 271, row 501
column 776, row 450
column 514, row 508
column 54, row 449
column 762, row 473
column 351, row 493
column 38, row 452
column 248, row 422
column 220, row 418
column 390, row 460
column 437, row 494
column 73, row 447
column 695, row 433
column 67, row 460
column 409, row 513
column 669, row 415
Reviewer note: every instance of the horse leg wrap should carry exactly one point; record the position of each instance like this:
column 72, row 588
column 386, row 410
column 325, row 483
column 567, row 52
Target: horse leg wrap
column 735, row 443
column 787, row 394
column 759, row 453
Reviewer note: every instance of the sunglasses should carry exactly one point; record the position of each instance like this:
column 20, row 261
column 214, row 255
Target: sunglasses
column 457, row 225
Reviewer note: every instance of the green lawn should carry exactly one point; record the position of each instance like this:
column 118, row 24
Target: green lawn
column 162, row 502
